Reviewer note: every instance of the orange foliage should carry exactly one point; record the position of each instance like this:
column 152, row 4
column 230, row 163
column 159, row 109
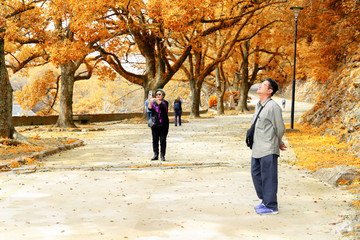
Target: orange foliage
column 88, row 105
column 11, row 152
column 30, row 161
column 24, row 28
column 227, row 95
column 71, row 141
column 15, row 164
column 212, row 101
column 107, row 96
column 37, row 136
column 179, row 16
column 356, row 205
column 315, row 151
column 329, row 33
column 40, row 89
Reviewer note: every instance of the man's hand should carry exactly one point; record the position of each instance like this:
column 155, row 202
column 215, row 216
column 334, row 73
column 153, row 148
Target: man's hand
column 283, row 147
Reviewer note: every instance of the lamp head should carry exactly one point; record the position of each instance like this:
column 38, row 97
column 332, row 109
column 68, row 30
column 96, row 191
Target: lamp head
column 296, row 10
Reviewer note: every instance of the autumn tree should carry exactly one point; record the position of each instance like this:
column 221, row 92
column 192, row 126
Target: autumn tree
column 68, row 39
column 140, row 40
column 41, row 90
column 329, row 38
column 163, row 33
column 20, row 24
column 200, row 66
column 69, row 45
column 240, row 23
column 105, row 96
column 264, row 52
column 329, row 31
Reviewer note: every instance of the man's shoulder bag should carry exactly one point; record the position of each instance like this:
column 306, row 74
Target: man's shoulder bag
column 250, row 132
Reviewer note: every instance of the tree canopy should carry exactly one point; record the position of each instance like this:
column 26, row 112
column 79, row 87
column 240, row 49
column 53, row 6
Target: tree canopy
column 150, row 43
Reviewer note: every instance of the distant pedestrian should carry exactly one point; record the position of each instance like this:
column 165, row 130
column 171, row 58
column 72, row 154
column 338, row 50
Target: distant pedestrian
column 269, row 129
column 283, row 101
column 148, row 111
column 159, row 110
column 177, row 110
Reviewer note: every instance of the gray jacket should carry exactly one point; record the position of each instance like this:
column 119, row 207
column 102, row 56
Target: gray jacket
column 269, row 129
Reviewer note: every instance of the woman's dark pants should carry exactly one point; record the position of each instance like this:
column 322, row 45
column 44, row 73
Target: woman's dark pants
column 159, row 133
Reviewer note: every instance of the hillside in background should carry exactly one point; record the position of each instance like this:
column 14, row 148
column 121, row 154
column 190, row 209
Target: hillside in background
column 337, row 108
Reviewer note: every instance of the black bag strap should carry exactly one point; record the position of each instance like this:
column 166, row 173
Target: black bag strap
column 262, row 107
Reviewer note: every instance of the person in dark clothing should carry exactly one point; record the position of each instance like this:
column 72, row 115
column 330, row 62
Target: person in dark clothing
column 159, row 108
column 177, row 110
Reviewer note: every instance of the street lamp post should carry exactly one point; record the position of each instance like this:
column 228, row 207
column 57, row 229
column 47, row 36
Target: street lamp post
column 296, row 12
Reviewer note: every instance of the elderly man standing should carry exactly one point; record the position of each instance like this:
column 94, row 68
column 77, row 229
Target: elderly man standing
column 269, row 130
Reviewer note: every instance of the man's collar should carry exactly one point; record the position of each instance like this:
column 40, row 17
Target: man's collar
column 264, row 102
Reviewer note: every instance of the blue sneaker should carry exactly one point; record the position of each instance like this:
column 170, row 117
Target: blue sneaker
column 261, row 205
column 265, row 210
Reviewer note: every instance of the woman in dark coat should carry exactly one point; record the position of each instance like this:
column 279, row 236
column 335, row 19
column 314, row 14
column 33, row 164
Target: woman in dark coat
column 159, row 108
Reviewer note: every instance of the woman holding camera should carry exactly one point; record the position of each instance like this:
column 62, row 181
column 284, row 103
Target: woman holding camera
column 159, row 109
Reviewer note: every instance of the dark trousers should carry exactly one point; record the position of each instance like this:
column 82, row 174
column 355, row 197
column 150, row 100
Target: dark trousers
column 264, row 172
column 176, row 117
column 159, row 133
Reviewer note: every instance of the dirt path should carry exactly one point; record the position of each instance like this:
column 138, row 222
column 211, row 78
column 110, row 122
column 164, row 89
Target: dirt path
column 109, row 189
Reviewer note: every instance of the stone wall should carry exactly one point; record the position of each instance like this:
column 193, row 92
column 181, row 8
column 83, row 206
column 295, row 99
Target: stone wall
column 305, row 91
column 50, row 120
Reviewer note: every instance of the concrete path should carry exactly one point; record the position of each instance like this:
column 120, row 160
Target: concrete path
column 109, row 189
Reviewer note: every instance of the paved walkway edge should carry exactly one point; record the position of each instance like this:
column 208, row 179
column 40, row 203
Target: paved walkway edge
column 6, row 166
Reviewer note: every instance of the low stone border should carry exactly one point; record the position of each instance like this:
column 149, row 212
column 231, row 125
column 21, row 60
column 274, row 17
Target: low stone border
column 120, row 167
column 332, row 176
column 6, row 165
column 80, row 129
column 338, row 173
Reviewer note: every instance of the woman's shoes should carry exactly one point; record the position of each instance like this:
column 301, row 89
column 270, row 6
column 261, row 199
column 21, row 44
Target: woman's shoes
column 156, row 157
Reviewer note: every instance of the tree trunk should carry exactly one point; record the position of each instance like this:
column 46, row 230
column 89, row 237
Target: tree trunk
column 6, row 124
column 195, row 87
column 237, row 79
column 219, row 92
column 65, row 119
column 220, row 103
column 242, row 105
